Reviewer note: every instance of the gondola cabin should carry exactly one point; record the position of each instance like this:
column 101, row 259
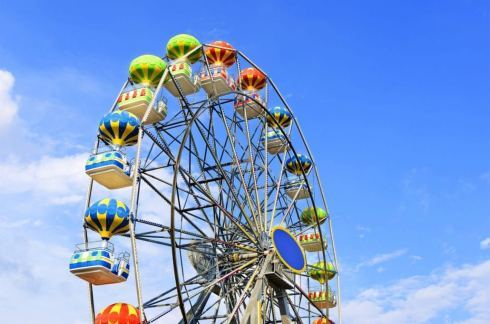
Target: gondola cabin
column 311, row 242
column 313, row 216
column 110, row 169
column 147, row 70
column 220, row 82
column 276, row 142
column 94, row 262
column 323, row 320
column 297, row 188
column 136, row 101
column 322, row 299
column 182, row 74
column 279, row 117
column 252, row 107
column 121, row 265
column 119, row 128
column 299, row 164
column 322, row 271
column 119, row 313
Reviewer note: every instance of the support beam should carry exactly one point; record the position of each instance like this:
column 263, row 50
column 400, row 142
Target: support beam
column 253, row 312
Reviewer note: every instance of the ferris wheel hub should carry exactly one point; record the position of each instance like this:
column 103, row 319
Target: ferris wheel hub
column 264, row 241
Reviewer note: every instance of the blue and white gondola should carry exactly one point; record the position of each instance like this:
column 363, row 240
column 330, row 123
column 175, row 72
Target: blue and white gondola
column 94, row 262
column 276, row 142
column 297, row 188
column 110, row 169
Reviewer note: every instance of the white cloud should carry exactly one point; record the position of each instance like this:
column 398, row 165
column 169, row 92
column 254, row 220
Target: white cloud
column 416, row 191
column 485, row 177
column 8, row 104
column 485, row 244
column 424, row 299
column 65, row 200
column 59, row 179
column 39, row 235
column 416, row 258
column 362, row 230
column 381, row 258
column 6, row 223
column 34, row 275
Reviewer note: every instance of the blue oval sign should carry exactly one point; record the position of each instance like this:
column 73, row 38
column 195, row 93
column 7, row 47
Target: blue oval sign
column 288, row 249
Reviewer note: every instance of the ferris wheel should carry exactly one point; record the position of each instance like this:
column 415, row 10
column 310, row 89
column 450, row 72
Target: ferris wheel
column 239, row 211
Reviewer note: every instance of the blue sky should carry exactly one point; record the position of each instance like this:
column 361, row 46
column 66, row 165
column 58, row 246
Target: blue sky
column 392, row 95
